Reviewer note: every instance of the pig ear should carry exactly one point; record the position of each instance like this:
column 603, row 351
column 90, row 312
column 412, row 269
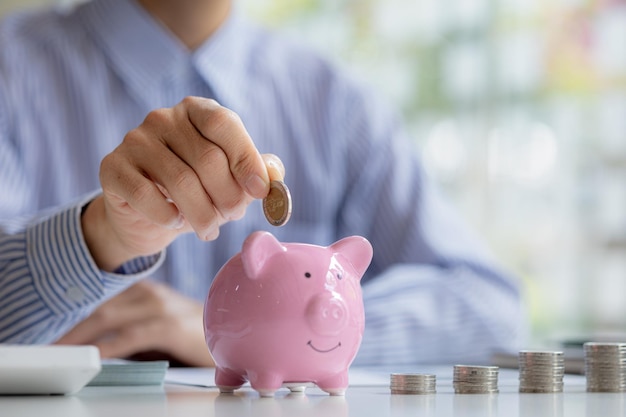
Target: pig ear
column 357, row 250
column 257, row 249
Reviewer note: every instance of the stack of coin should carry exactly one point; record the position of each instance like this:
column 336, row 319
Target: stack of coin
column 413, row 383
column 475, row 379
column 605, row 367
column 541, row 371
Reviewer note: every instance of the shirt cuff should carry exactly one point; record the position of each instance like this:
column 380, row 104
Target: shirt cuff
column 64, row 272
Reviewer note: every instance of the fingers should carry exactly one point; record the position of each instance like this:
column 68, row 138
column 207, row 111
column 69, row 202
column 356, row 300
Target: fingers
column 178, row 182
column 224, row 128
column 155, row 335
column 203, row 160
column 124, row 183
column 136, row 304
column 274, row 166
column 138, row 337
column 148, row 316
column 210, row 159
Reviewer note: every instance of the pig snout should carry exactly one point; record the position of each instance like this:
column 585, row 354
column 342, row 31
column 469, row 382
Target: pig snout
column 327, row 314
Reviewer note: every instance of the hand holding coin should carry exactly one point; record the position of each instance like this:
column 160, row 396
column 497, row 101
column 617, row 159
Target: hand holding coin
column 277, row 205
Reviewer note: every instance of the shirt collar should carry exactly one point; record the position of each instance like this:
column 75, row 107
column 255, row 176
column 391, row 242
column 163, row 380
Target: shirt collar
column 222, row 61
column 147, row 56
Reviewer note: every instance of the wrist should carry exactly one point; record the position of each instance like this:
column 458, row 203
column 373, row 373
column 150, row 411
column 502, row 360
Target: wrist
column 106, row 251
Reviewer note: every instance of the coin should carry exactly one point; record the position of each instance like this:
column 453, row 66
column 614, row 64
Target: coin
column 277, row 204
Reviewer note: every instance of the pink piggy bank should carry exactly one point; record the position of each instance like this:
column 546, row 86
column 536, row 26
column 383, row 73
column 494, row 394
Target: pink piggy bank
column 287, row 314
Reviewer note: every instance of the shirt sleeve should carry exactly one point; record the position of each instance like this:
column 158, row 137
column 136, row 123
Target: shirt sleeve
column 49, row 281
column 433, row 293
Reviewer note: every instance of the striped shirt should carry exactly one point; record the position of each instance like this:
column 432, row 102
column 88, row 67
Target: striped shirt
column 73, row 82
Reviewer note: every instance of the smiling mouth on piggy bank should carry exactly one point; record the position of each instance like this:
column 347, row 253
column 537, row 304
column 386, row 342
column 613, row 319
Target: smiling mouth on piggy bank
column 310, row 343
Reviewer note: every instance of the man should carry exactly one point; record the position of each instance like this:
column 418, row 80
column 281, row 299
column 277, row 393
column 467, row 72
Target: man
column 82, row 248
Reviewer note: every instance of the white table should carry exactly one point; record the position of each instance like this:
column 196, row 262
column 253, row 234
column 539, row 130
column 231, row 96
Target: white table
column 368, row 395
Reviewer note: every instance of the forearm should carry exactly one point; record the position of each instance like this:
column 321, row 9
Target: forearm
column 49, row 280
column 426, row 314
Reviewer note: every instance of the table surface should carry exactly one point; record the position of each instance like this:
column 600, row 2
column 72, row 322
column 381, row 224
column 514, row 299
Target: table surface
column 368, row 395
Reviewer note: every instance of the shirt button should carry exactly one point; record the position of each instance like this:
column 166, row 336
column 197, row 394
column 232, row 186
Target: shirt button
column 75, row 294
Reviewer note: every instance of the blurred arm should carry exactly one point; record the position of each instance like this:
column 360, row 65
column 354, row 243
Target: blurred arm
column 434, row 293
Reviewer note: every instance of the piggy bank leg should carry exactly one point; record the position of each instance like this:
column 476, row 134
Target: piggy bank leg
column 296, row 387
column 266, row 384
column 335, row 385
column 227, row 381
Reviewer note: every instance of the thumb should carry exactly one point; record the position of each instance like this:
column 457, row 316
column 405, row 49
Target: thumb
column 275, row 167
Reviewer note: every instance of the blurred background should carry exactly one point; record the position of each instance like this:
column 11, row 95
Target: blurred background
column 519, row 109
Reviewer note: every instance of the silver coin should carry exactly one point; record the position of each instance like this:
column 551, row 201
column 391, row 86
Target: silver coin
column 277, row 204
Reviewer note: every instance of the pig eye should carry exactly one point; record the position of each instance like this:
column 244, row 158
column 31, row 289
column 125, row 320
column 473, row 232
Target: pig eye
column 339, row 275
column 307, row 275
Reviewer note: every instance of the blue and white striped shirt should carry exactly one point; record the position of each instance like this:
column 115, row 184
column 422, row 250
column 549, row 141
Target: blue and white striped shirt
column 73, row 82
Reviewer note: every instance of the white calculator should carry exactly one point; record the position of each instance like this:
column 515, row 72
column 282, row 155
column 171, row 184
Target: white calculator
column 26, row 369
